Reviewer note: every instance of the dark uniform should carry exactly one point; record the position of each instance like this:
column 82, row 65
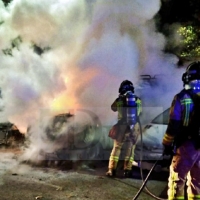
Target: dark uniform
column 182, row 132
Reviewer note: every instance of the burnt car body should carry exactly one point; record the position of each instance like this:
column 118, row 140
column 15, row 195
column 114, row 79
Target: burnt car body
column 10, row 136
column 71, row 140
column 92, row 143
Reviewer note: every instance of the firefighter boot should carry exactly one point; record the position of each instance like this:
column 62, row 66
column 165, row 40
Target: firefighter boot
column 111, row 172
column 127, row 173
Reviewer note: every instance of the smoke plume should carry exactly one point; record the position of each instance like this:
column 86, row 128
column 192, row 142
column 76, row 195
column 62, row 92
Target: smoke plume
column 89, row 48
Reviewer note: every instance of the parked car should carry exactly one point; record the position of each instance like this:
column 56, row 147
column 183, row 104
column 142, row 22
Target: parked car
column 149, row 147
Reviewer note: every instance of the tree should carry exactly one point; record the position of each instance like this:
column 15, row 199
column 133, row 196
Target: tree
column 186, row 13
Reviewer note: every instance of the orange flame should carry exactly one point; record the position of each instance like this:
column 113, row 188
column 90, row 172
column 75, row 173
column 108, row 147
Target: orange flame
column 68, row 100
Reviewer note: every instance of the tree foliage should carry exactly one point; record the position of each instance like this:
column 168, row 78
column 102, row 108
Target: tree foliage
column 185, row 13
column 190, row 41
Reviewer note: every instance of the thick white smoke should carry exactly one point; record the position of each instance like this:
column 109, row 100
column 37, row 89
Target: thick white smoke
column 94, row 46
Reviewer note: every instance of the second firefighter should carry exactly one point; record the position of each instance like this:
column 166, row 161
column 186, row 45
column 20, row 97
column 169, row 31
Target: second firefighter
column 127, row 129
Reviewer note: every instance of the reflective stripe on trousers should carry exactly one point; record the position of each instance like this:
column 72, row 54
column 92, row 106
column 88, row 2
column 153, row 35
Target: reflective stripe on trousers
column 185, row 166
column 129, row 155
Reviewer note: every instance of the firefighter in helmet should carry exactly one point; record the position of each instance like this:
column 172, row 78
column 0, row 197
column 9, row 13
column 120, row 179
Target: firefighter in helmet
column 128, row 106
column 182, row 138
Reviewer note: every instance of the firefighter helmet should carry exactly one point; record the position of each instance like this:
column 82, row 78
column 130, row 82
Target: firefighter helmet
column 126, row 86
column 192, row 73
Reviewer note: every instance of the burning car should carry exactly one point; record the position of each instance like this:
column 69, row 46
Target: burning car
column 90, row 142
column 73, row 141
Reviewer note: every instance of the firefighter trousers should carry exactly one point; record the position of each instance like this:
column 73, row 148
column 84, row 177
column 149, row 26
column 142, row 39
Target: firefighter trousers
column 185, row 171
column 115, row 154
column 128, row 141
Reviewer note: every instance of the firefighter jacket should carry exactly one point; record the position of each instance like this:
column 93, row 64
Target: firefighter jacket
column 119, row 104
column 179, row 119
column 181, row 130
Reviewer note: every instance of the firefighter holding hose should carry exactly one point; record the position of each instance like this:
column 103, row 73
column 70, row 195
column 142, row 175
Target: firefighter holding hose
column 127, row 129
column 183, row 132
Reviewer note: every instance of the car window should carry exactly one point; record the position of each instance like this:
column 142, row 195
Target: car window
column 162, row 118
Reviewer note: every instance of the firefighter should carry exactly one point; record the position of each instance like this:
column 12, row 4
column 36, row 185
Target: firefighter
column 128, row 128
column 182, row 138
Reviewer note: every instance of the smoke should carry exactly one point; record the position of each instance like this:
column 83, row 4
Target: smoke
column 92, row 46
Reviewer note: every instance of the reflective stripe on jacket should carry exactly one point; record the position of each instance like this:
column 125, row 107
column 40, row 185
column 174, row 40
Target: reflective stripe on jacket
column 179, row 116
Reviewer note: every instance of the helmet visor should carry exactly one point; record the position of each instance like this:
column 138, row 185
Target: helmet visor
column 195, row 84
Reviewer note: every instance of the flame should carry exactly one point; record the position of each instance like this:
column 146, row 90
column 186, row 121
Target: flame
column 68, row 100
column 63, row 103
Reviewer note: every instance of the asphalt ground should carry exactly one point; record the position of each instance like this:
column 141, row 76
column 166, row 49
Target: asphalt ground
column 73, row 180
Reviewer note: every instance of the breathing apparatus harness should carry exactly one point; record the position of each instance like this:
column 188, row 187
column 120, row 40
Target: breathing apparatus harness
column 129, row 115
column 129, row 111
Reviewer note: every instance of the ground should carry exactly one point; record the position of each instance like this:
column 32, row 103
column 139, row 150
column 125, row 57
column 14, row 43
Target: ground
column 81, row 181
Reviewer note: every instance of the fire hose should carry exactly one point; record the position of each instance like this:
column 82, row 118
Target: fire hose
column 144, row 182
